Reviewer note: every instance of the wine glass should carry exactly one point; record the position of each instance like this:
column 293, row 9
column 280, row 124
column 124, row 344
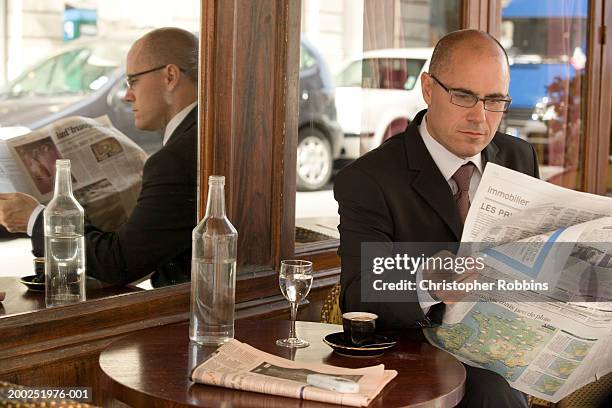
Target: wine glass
column 295, row 280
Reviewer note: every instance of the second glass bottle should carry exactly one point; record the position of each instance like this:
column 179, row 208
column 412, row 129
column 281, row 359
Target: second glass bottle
column 64, row 242
column 213, row 271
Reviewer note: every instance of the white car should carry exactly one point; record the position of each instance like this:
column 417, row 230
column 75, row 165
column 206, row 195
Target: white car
column 377, row 94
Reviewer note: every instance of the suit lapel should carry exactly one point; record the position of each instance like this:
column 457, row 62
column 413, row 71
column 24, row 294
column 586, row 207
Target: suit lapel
column 429, row 182
column 489, row 154
column 189, row 121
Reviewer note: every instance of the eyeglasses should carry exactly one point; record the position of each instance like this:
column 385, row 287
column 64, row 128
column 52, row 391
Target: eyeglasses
column 466, row 100
column 129, row 80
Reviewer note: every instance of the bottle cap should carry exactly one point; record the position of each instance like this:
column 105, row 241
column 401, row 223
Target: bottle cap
column 62, row 162
column 216, row 179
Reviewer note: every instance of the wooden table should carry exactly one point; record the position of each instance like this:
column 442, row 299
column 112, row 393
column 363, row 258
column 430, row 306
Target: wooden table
column 151, row 368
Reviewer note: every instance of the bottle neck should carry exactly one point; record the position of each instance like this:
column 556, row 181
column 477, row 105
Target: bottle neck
column 215, row 205
column 63, row 181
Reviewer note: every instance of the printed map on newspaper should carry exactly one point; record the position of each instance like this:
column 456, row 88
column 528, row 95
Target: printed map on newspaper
column 546, row 346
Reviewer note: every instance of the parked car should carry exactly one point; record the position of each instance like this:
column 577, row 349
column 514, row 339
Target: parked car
column 320, row 137
column 377, row 94
column 86, row 79
column 526, row 118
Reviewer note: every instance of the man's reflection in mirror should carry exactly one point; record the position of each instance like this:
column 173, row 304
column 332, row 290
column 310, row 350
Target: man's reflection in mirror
column 162, row 75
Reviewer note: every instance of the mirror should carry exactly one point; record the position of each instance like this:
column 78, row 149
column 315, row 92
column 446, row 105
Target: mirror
column 48, row 75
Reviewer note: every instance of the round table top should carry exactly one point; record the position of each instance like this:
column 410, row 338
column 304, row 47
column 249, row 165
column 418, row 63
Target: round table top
column 152, row 367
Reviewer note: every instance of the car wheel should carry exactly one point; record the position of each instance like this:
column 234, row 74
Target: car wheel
column 314, row 160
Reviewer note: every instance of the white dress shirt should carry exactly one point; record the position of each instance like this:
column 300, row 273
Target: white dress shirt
column 170, row 128
column 448, row 164
column 175, row 121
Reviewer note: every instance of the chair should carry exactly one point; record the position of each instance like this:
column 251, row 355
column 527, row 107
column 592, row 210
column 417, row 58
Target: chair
column 591, row 395
column 330, row 312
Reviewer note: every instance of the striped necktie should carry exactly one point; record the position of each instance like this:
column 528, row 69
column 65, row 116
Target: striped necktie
column 462, row 177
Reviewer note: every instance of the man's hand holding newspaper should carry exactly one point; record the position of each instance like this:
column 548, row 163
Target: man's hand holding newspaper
column 546, row 343
column 15, row 210
column 449, row 276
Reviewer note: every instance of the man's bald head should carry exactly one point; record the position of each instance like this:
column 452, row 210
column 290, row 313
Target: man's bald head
column 170, row 45
column 468, row 68
column 162, row 71
column 459, row 42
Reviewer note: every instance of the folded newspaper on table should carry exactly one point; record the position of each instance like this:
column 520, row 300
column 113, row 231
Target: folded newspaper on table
column 546, row 343
column 240, row 366
column 106, row 166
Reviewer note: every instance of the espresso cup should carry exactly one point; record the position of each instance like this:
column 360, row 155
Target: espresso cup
column 39, row 269
column 359, row 327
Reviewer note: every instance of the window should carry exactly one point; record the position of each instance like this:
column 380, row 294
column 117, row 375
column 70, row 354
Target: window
column 376, row 50
column 307, row 60
column 76, row 71
column 392, row 73
column 547, row 46
column 351, row 75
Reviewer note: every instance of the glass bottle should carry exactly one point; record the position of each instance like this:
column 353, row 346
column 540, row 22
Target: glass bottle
column 213, row 271
column 64, row 242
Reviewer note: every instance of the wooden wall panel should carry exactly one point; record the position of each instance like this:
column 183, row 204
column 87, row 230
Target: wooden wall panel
column 250, row 102
column 590, row 156
column 483, row 15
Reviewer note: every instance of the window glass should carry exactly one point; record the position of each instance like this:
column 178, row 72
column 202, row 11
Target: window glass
column 351, row 75
column 80, row 70
column 307, row 60
column 36, row 80
column 376, row 51
column 392, row 73
column 546, row 42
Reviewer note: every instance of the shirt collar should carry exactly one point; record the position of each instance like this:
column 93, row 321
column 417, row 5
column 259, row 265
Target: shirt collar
column 446, row 161
column 175, row 121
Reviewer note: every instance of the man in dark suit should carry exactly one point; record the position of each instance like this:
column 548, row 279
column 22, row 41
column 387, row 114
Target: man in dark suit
column 407, row 190
column 162, row 77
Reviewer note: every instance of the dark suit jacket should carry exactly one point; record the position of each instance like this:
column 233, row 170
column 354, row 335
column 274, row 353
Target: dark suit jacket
column 396, row 193
column 157, row 236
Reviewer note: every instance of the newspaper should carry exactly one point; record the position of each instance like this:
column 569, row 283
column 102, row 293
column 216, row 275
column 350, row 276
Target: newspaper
column 239, row 366
column 546, row 346
column 106, row 166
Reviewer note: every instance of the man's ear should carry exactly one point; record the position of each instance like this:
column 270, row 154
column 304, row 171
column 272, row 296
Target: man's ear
column 426, row 87
column 173, row 74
